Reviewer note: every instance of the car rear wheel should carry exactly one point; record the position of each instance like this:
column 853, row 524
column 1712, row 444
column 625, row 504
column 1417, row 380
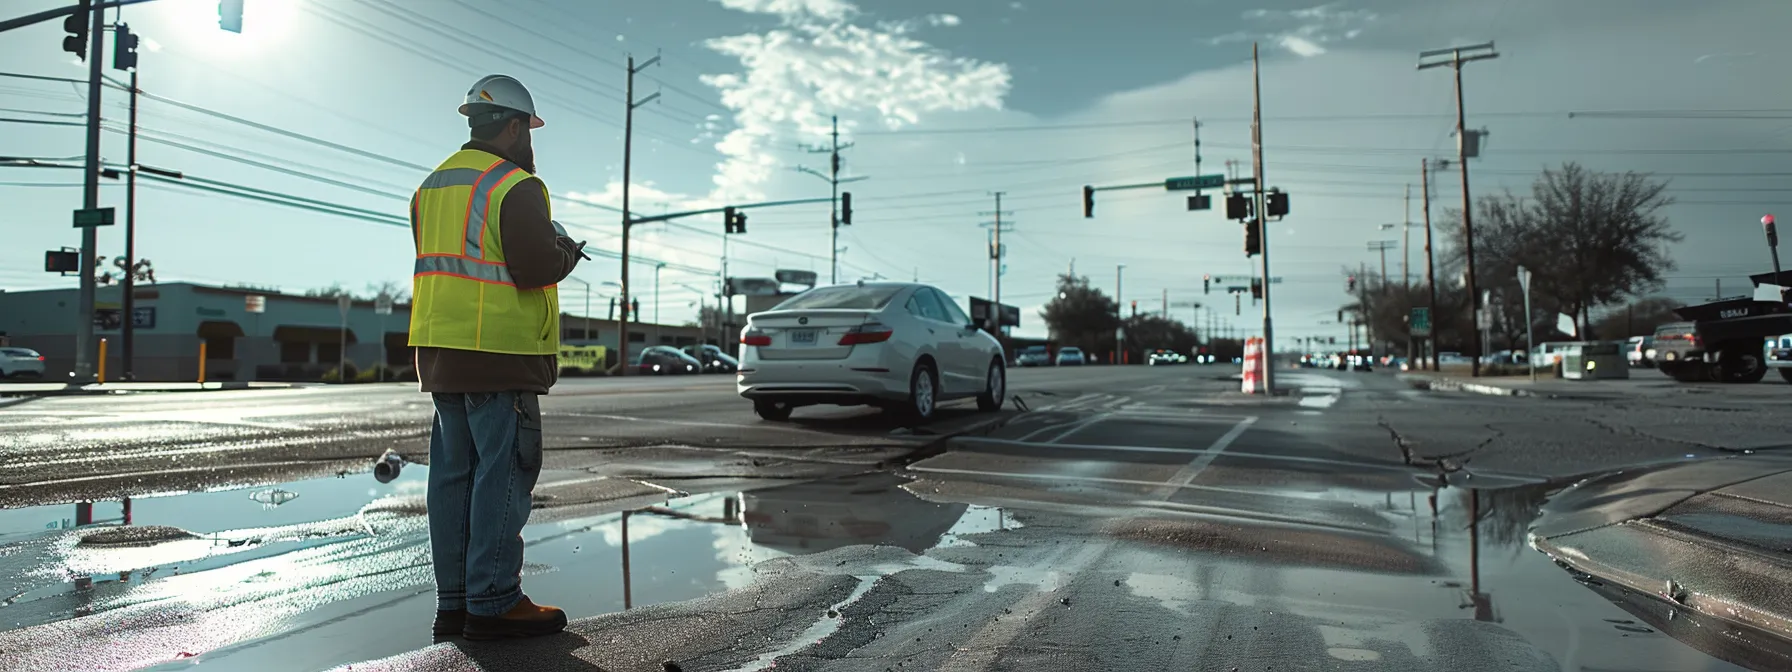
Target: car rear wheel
column 775, row 411
column 923, row 392
column 1786, row 373
column 995, row 388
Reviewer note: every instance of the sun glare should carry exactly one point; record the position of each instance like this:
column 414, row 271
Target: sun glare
column 266, row 24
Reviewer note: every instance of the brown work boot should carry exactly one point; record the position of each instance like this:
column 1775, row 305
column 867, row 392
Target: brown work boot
column 526, row 619
column 450, row 623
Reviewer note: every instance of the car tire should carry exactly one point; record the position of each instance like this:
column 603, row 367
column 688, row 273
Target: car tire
column 923, row 393
column 995, row 384
column 775, row 411
column 1786, row 374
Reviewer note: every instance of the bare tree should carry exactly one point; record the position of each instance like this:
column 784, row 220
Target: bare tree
column 400, row 292
column 1590, row 239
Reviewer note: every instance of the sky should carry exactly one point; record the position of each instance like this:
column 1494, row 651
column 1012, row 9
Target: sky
column 943, row 104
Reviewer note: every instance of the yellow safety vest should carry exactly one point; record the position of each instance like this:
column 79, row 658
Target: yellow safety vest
column 462, row 296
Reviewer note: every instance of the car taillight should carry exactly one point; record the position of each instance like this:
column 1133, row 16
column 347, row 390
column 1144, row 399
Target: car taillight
column 866, row 333
column 40, row 358
column 755, row 338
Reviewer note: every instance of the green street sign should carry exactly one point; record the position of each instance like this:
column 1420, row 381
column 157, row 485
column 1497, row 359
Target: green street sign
column 92, row 217
column 1190, row 183
column 1420, row 322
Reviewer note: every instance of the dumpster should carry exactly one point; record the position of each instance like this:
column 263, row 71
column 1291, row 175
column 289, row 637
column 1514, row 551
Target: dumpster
column 1594, row 361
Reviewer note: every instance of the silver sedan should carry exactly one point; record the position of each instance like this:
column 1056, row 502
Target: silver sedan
column 905, row 347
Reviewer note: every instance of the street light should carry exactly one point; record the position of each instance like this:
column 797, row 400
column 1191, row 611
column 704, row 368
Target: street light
column 586, row 330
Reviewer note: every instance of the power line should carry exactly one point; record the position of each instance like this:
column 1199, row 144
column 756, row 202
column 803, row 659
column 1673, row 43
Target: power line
column 1332, row 118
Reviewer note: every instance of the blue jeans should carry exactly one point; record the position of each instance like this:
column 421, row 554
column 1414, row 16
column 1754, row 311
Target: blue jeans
column 484, row 458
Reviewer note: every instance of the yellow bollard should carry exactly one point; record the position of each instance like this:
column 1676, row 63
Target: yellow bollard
column 102, row 370
column 202, row 361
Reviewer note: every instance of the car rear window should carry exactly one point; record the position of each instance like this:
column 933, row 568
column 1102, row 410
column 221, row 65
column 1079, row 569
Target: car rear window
column 1674, row 329
column 1033, row 349
column 842, row 298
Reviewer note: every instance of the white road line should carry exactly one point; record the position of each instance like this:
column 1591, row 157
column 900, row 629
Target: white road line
column 980, row 649
column 1074, row 427
column 970, row 443
column 680, row 423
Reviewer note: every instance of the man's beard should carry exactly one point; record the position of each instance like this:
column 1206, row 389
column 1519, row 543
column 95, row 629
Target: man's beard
column 524, row 156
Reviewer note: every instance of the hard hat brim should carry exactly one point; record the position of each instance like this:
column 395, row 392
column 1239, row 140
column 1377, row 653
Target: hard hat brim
column 536, row 122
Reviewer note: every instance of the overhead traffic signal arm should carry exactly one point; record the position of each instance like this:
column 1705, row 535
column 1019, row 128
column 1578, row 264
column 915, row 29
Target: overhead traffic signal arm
column 1089, row 194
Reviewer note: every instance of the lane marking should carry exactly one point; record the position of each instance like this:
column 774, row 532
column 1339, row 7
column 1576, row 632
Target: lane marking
column 982, row 648
column 1164, row 449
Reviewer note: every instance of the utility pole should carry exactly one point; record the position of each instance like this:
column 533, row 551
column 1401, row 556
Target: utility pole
column 1166, row 303
column 1119, row 314
column 90, row 197
column 1269, row 338
column 1382, row 246
column 1406, row 241
column 1457, row 60
column 129, row 285
column 996, row 254
column 834, row 181
column 628, row 147
column 1430, row 268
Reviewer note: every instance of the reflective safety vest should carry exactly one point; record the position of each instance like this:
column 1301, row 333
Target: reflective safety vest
column 462, row 295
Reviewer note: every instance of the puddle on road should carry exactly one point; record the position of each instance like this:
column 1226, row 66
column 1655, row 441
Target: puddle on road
column 371, row 595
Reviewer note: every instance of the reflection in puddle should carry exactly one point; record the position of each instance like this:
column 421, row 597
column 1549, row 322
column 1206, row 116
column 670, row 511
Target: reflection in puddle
column 249, row 593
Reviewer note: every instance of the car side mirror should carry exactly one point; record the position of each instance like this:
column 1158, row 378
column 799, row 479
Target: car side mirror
column 970, row 327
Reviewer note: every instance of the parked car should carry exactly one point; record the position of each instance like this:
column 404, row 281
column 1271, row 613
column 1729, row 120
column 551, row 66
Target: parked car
column 1069, row 357
column 902, row 346
column 21, row 363
column 665, row 360
column 1033, row 355
column 1163, row 358
column 712, row 357
column 1640, row 351
column 1779, row 356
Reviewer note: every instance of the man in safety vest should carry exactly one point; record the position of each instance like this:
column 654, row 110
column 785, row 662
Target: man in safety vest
column 485, row 322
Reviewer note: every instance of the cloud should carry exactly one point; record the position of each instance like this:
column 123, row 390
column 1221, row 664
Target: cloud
column 1303, row 32
column 795, row 9
column 796, row 77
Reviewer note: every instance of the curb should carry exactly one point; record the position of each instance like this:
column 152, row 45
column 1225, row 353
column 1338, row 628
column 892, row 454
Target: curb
column 1453, row 385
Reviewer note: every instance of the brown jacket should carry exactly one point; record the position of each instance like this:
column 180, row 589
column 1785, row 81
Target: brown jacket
column 537, row 257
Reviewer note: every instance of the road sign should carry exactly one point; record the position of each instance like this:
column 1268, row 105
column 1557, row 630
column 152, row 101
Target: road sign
column 87, row 218
column 1243, row 278
column 343, row 303
column 255, row 303
column 382, row 304
column 1420, row 322
column 1197, row 182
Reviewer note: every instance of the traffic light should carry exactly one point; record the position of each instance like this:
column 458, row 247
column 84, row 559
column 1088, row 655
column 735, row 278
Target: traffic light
column 76, row 27
column 1206, row 284
column 846, row 208
column 1350, row 284
column 1340, row 316
column 62, row 261
column 1253, row 238
column 1238, row 207
column 1256, row 289
column 1088, row 201
column 124, row 53
column 733, row 221
column 634, row 311
column 230, row 15
column 1277, row 204
column 1135, row 308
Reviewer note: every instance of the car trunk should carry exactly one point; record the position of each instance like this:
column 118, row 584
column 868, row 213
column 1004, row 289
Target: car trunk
column 806, row 334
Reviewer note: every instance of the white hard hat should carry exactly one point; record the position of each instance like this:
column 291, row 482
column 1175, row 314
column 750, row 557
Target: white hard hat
column 501, row 91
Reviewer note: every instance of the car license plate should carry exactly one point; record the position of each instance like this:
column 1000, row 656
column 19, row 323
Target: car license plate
column 802, row 336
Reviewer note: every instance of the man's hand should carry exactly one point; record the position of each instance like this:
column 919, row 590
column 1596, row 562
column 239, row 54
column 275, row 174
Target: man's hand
column 577, row 248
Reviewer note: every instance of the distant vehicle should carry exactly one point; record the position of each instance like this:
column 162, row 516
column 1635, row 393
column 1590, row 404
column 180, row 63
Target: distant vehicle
column 665, row 360
column 1640, row 351
column 901, row 346
column 713, row 358
column 1033, row 355
column 1164, row 357
column 1779, row 356
column 1070, row 357
column 21, row 363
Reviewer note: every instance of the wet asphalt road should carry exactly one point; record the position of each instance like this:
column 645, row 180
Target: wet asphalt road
column 1133, row 518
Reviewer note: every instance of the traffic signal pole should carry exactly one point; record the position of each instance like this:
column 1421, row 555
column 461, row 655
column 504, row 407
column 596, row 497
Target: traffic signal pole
column 1269, row 336
column 128, row 330
column 90, row 198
